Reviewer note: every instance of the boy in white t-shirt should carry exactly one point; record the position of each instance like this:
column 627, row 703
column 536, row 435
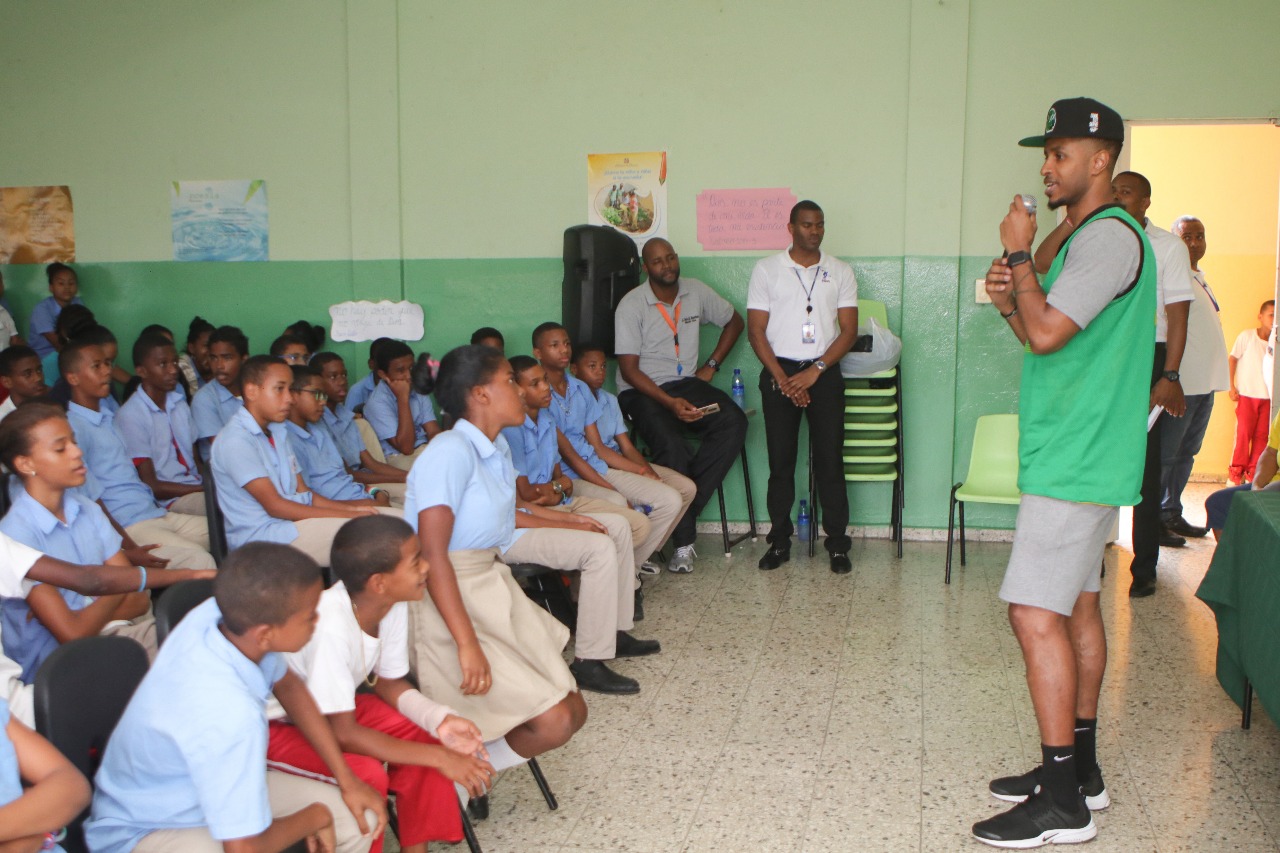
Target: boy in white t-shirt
column 1249, row 391
column 362, row 638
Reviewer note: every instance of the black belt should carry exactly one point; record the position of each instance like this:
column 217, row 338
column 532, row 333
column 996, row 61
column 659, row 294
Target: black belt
column 799, row 365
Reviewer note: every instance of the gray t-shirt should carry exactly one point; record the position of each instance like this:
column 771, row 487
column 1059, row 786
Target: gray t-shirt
column 1100, row 264
column 640, row 328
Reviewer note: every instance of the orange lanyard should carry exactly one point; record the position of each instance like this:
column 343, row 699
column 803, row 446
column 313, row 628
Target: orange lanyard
column 674, row 325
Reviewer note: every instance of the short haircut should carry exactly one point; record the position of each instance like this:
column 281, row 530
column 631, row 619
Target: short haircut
column 259, row 584
column 97, row 334
column 521, row 363
column 15, row 430
column 10, row 357
column 367, row 546
column 462, row 369
column 282, row 343
column 389, row 352
column 302, row 373
column 230, row 335
column 1112, row 147
column 800, row 206
column 73, row 320
column 1181, row 221
column 377, row 344
column 544, row 328
column 72, row 355
column 199, row 326
column 1269, row 303
column 1143, row 183
column 311, row 335
column 159, row 329
column 485, row 332
column 148, row 342
column 57, row 267
column 254, row 371
column 320, row 359
column 581, row 351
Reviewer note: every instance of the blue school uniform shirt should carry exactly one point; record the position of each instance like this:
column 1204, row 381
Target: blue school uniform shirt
column 211, row 407
column 321, row 464
column 534, row 453
column 473, row 476
column 127, row 498
column 357, row 394
column 165, row 436
column 573, row 413
column 191, row 748
column 242, row 453
column 85, row 538
column 341, row 424
column 611, row 423
column 383, row 414
column 43, row 318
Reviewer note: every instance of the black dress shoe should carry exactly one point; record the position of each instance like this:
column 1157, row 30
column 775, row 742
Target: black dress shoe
column 478, row 808
column 630, row 647
column 840, row 564
column 775, row 556
column 1142, row 587
column 593, row 675
column 638, row 615
column 1182, row 527
column 1169, row 539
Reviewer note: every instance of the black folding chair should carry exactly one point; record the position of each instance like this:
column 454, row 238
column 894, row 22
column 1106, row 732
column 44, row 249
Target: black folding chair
column 77, row 708
column 178, row 601
column 213, row 514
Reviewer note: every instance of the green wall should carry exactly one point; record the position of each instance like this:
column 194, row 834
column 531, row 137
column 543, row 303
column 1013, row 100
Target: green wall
column 436, row 151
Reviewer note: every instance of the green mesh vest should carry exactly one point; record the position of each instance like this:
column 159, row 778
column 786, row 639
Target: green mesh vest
column 1083, row 411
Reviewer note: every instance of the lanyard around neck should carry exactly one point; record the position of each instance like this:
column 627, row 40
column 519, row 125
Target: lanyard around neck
column 674, row 326
column 808, row 293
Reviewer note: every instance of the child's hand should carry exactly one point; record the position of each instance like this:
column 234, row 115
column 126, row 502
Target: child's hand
column 462, row 736
column 474, row 774
column 142, row 556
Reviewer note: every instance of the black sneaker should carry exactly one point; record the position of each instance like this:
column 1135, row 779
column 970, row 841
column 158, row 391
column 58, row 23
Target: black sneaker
column 1036, row 822
column 775, row 556
column 1015, row 789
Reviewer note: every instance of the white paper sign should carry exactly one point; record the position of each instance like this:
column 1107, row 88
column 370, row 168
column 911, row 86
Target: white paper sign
column 367, row 321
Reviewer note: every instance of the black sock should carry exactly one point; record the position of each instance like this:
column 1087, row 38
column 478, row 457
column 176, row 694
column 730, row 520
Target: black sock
column 1059, row 775
column 1086, row 748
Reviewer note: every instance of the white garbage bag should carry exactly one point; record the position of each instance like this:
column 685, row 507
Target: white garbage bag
column 886, row 349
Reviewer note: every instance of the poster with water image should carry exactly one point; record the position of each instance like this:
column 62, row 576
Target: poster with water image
column 219, row 220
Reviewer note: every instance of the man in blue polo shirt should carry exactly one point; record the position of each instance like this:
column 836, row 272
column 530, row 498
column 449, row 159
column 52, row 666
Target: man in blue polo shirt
column 215, row 403
column 186, row 768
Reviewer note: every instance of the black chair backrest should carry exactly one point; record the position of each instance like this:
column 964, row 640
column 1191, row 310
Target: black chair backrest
column 213, row 514
column 177, row 601
column 81, row 691
column 5, row 503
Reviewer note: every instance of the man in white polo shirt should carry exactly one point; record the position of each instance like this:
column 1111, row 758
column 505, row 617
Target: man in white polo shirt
column 802, row 317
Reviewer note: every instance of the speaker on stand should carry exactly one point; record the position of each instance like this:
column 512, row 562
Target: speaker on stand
column 601, row 265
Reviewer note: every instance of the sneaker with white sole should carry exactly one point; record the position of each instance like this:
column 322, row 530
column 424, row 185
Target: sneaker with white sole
column 1035, row 822
column 649, row 567
column 1015, row 789
column 682, row 561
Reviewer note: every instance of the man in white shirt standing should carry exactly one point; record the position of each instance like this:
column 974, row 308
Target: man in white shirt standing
column 802, row 317
column 1204, row 372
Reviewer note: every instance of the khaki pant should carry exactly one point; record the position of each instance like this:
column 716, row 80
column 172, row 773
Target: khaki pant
column 141, row 630
column 404, row 461
column 288, row 795
column 370, row 439
column 183, row 539
column 396, row 491
column 192, row 504
column 315, row 535
column 668, row 499
column 638, row 521
column 606, row 600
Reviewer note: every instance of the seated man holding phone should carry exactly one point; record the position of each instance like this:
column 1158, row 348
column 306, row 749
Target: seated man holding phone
column 665, row 388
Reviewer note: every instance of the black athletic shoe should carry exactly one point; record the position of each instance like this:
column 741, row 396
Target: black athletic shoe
column 775, row 556
column 840, row 564
column 1035, row 822
column 1182, row 527
column 1015, row 789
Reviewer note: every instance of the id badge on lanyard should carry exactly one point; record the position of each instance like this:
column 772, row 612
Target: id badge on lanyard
column 808, row 332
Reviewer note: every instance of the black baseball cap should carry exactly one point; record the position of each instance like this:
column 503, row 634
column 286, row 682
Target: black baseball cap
column 1078, row 118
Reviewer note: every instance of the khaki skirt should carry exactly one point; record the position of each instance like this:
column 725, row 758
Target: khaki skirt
column 522, row 642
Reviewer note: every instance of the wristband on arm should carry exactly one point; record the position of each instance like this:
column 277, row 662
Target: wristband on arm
column 421, row 710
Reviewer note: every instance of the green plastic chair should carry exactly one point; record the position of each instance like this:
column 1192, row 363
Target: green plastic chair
column 992, row 477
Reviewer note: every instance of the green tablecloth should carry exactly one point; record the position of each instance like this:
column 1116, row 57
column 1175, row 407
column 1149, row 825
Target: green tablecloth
column 1242, row 587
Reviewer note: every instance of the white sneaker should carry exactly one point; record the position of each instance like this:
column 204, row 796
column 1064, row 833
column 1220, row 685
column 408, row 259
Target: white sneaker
column 682, row 561
column 649, row 567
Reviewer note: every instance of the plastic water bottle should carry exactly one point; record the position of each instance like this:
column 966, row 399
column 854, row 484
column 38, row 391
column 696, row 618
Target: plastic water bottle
column 647, row 509
column 802, row 522
column 738, row 391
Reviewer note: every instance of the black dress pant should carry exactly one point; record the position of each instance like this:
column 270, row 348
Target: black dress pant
column 721, row 436
column 1147, row 522
column 825, row 414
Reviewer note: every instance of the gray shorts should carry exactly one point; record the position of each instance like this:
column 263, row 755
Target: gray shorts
column 1057, row 552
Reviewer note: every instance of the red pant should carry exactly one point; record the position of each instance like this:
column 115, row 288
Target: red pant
column 426, row 803
column 1253, row 421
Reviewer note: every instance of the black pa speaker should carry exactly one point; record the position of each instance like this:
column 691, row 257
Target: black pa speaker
column 600, row 266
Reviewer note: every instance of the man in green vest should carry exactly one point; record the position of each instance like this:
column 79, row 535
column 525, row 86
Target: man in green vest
column 1089, row 335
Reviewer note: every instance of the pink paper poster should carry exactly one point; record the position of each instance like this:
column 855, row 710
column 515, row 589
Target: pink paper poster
column 731, row 220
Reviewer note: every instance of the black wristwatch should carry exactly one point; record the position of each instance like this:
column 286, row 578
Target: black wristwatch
column 1172, row 375
column 713, row 364
column 1016, row 258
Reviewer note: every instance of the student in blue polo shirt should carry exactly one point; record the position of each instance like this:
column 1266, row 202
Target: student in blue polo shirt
column 64, row 290
column 186, row 768
column 360, row 449
column 361, row 390
column 602, row 471
column 158, row 432
column 403, row 419
column 37, row 443
column 40, row 790
column 216, row 401
column 318, row 457
column 260, row 488
column 184, row 539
